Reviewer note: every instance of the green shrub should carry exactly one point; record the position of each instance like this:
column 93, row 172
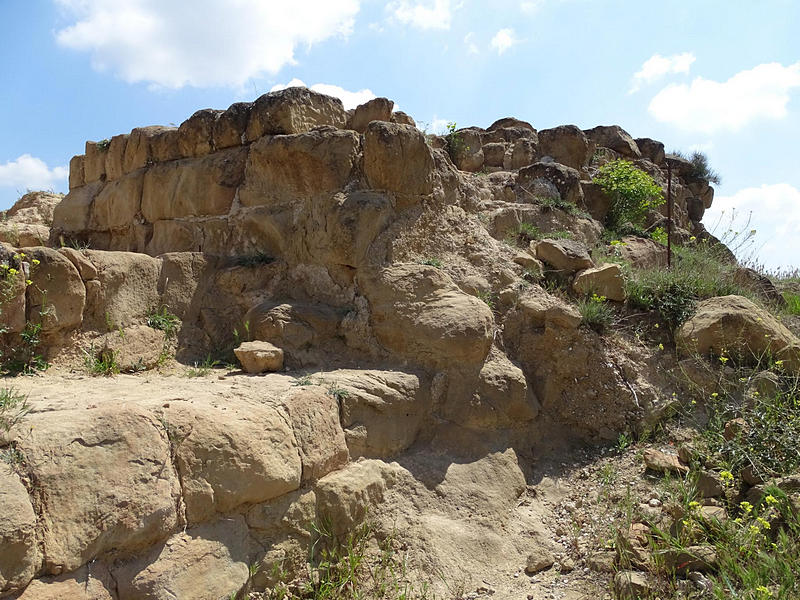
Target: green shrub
column 163, row 320
column 659, row 236
column 596, row 313
column 792, row 303
column 454, row 143
column 556, row 202
column 700, row 167
column 632, row 192
column 697, row 272
column 101, row 363
column 13, row 407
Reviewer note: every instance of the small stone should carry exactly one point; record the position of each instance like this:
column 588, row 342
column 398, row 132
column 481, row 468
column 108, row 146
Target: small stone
column 567, row 565
column 662, row 462
column 654, row 502
column 632, row 585
column 539, row 560
column 709, row 484
column 257, row 357
column 734, row 428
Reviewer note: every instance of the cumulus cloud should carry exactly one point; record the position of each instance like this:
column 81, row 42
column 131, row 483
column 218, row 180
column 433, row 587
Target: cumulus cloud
column 709, row 106
column 503, row 40
column 657, row 66
column 204, row 43
column 773, row 211
column 29, row 172
column 433, row 14
column 348, row 98
column 531, row 6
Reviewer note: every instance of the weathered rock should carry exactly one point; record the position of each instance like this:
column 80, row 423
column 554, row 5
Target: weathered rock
column 94, row 164
column 193, row 187
column 652, row 150
column 605, row 280
column 227, row 459
column 381, row 411
column 402, row 118
column 602, row 562
column 662, row 462
column 230, row 126
column 567, row 145
column 13, row 298
column 633, row 585
column 293, row 110
column 127, row 291
column 86, row 269
column 529, row 263
column 195, row 135
column 71, row 215
column 135, row 348
column 760, row 284
column 118, row 203
column 56, row 297
column 565, row 179
column 95, row 498
column 282, row 169
column 493, row 154
column 346, row 496
column 140, row 150
column 377, row 109
column 314, row 416
column 207, row 562
column 20, row 557
column 595, row 200
column 76, row 174
column 258, row 357
column 506, row 122
column 90, row 582
column 633, row 546
column 538, row 560
column 642, row 253
column 522, row 153
column 692, row 558
column 397, row 159
column 563, row 255
column 290, row 513
column 709, row 484
column 734, row 326
column 421, row 315
column 615, row 138
column 543, row 311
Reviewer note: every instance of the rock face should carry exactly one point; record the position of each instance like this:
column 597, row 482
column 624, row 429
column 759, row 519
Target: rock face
column 348, row 245
column 732, row 326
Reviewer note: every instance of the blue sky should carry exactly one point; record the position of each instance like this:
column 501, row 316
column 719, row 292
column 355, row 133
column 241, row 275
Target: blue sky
column 722, row 76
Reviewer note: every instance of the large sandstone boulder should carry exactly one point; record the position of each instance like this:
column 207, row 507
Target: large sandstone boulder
column 419, row 314
column 293, row 110
column 72, row 214
column 118, row 203
column 230, row 458
column 193, row 187
column 615, row 138
column 105, row 483
column 345, row 497
column 56, row 296
column 258, row 357
column 397, row 159
column 605, row 280
column 382, row 411
column 733, row 326
column 377, row 109
column 90, row 582
column 563, row 255
column 230, row 126
column 314, row 415
column 27, row 222
column 565, row 179
column 642, row 253
column 652, row 150
column 208, row 562
column 566, row 144
column 20, row 558
column 285, row 169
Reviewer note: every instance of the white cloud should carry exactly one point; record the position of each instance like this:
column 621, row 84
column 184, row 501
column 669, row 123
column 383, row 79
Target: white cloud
column 469, row 41
column 432, row 14
column 503, row 40
column 348, row 98
column 203, row 43
column 708, row 106
column 773, row 211
column 531, row 6
column 655, row 67
column 29, row 172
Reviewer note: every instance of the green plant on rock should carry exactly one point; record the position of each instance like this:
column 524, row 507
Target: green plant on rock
column 104, row 362
column 596, row 313
column 632, row 192
column 163, row 320
column 13, row 407
column 659, row 235
column 454, row 142
column 701, row 169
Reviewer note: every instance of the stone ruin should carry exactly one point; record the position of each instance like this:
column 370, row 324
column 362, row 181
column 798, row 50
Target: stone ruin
column 377, row 262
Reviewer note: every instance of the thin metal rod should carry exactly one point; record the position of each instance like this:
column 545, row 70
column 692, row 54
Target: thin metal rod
column 669, row 215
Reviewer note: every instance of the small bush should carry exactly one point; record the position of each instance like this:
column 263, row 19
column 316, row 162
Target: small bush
column 792, row 303
column 431, row 262
column 596, row 313
column 556, row 202
column 632, row 192
column 454, row 143
column 101, row 363
column 13, row 407
column 163, row 320
column 700, row 167
column 525, row 233
column 659, row 236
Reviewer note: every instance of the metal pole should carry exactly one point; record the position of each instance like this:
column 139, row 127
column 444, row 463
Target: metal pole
column 669, row 214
